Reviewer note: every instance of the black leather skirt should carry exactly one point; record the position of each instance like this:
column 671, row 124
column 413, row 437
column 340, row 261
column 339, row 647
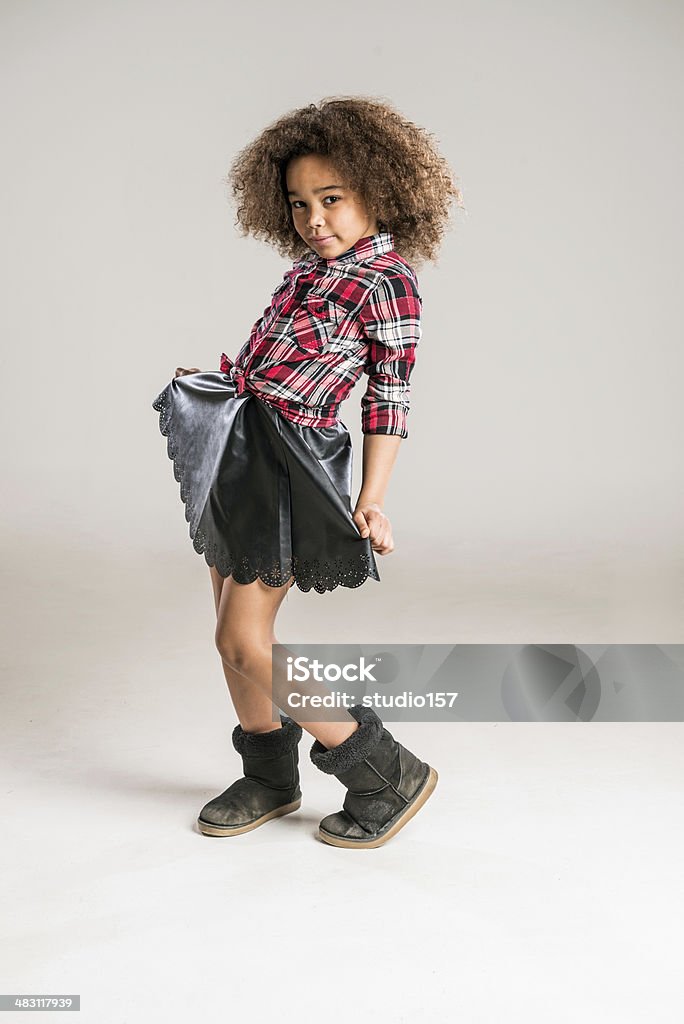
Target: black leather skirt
column 264, row 497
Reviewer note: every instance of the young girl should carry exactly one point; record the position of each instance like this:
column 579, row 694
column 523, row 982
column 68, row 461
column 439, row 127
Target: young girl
column 351, row 192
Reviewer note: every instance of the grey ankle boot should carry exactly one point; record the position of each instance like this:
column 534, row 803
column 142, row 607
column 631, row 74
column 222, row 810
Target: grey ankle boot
column 269, row 789
column 386, row 784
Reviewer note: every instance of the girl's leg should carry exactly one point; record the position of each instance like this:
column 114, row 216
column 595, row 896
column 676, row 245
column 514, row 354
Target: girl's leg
column 245, row 619
column 253, row 708
column 245, row 616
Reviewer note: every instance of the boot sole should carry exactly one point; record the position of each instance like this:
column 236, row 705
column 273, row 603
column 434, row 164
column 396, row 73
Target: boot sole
column 236, row 830
column 408, row 812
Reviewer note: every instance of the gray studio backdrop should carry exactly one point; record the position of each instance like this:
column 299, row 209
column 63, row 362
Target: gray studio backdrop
column 546, row 412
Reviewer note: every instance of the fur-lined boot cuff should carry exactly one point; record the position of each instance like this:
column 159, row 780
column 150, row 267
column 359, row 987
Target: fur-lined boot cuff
column 268, row 744
column 356, row 748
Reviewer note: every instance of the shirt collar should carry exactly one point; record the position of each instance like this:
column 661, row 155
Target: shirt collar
column 363, row 249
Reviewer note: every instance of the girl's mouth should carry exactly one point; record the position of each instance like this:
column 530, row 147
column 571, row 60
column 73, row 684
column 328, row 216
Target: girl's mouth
column 323, row 239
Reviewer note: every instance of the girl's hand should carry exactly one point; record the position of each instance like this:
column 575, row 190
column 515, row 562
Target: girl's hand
column 180, row 371
column 372, row 522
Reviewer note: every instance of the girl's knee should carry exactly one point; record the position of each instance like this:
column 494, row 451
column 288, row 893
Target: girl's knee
column 242, row 654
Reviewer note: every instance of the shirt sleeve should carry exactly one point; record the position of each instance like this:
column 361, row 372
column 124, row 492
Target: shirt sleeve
column 392, row 323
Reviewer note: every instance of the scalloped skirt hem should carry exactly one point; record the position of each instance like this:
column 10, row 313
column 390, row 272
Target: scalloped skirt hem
column 265, row 498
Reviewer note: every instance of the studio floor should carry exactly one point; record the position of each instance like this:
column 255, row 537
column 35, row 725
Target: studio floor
column 541, row 882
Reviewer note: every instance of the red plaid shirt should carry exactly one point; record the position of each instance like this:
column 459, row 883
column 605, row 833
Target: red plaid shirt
column 329, row 321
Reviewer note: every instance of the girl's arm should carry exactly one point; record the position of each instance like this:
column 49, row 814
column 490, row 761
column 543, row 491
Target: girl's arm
column 391, row 322
column 379, row 454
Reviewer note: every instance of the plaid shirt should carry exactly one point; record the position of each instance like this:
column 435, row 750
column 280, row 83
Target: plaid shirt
column 329, row 321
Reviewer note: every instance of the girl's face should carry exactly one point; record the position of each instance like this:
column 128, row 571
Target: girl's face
column 329, row 217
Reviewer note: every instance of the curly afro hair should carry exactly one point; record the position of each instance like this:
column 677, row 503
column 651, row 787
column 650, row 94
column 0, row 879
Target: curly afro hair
column 393, row 164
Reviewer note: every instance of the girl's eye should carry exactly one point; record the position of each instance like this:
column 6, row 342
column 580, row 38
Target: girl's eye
column 296, row 201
